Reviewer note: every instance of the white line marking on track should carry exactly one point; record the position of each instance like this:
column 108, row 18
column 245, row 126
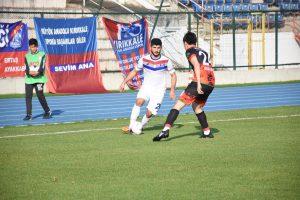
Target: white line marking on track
column 110, row 128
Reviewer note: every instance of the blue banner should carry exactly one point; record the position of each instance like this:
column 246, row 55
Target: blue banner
column 67, row 36
column 72, row 62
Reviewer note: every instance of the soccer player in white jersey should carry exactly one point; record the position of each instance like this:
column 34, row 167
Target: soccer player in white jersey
column 156, row 68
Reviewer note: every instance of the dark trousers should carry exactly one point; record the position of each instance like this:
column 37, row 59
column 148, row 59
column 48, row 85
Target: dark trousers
column 40, row 94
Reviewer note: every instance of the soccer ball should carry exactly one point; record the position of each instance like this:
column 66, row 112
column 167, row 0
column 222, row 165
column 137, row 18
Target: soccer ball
column 137, row 128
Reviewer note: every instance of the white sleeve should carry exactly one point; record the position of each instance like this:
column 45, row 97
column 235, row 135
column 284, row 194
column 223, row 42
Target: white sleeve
column 170, row 67
column 139, row 66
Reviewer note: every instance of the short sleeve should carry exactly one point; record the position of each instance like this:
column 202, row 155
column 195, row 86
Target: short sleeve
column 139, row 66
column 170, row 67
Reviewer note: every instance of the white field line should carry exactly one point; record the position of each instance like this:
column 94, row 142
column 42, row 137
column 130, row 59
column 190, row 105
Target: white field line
column 119, row 128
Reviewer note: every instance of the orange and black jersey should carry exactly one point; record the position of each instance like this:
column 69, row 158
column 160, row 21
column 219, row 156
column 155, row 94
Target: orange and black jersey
column 206, row 71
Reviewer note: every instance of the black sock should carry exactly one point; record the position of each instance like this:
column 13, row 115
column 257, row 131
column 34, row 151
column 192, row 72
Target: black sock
column 202, row 120
column 172, row 116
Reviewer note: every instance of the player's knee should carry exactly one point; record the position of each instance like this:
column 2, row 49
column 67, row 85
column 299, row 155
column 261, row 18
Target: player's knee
column 149, row 114
column 179, row 105
column 139, row 102
column 198, row 109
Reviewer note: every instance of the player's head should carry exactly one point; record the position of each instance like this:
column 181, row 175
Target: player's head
column 33, row 45
column 189, row 39
column 156, row 45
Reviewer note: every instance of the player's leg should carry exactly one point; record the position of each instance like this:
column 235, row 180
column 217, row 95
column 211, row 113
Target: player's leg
column 142, row 96
column 172, row 116
column 39, row 89
column 28, row 96
column 198, row 109
column 201, row 116
column 135, row 112
column 146, row 118
column 186, row 98
column 153, row 106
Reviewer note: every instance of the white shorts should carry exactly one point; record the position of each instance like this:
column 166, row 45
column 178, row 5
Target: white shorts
column 154, row 96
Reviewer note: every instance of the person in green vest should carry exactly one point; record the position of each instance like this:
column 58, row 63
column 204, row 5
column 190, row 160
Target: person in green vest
column 35, row 78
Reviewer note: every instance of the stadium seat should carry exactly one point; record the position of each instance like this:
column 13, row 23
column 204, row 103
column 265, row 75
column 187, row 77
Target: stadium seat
column 245, row 7
column 294, row 6
column 196, row 8
column 254, row 7
column 227, row 8
column 243, row 24
column 209, row 8
column 286, row 1
column 236, row 7
column 269, row 1
column 238, row 2
column 246, row 1
column 220, row 2
column 271, row 20
column 285, row 6
column 185, row 2
column 295, row 1
column 211, row 2
column 200, row 2
column 228, row 1
column 218, row 8
column 227, row 23
column 255, row 20
column 263, row 7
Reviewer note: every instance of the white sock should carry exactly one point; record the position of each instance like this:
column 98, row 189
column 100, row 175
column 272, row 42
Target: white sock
column 145, row 120
column 134, row 115
column 166, row 128
column 206, row 132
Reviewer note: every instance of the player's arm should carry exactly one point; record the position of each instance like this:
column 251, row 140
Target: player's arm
column 27, row 68
column 128, row 78
column 196, row 64
column 173, row 85
column 173, row 80
column 42, row 66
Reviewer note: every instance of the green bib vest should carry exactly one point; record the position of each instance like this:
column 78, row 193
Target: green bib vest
column 34, row 62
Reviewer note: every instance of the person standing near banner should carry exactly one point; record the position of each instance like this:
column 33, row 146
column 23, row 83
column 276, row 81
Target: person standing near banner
column 35, row 78
column 156, row 67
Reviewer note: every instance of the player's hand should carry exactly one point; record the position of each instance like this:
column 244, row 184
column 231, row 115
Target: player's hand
column 172, row 94
column 199, row 90
column 122, row 87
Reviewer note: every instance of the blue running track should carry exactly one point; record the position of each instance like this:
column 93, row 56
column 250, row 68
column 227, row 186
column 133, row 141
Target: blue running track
column 115, row 105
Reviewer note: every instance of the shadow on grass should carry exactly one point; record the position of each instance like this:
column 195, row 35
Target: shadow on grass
column 214, row 131
column 160, row 127
column 54, row 112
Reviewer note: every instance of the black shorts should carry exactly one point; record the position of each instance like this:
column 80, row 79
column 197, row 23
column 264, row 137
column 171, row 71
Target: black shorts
column 191, row 95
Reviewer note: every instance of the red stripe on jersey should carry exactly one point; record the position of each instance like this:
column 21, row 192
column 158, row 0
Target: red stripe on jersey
column 155, row 62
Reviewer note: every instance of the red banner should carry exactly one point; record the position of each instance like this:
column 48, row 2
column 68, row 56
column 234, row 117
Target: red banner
column 13, row 47
column 130, row 42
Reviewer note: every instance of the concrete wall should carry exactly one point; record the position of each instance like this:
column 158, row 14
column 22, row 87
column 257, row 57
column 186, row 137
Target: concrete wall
column 288, row 49
column 33, row 3
column 113, row 80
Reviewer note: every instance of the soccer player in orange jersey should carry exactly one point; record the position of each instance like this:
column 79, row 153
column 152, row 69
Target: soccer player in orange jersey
column 197, row 92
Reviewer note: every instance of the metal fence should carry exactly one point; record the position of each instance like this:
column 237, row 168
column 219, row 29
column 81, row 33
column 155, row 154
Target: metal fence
column 235, row 40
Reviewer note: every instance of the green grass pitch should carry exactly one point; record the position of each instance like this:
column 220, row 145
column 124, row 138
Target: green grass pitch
column 254, row 155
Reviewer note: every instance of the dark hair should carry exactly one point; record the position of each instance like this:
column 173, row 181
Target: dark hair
column 190, row 38
column 156, row 41
column 33, row 41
